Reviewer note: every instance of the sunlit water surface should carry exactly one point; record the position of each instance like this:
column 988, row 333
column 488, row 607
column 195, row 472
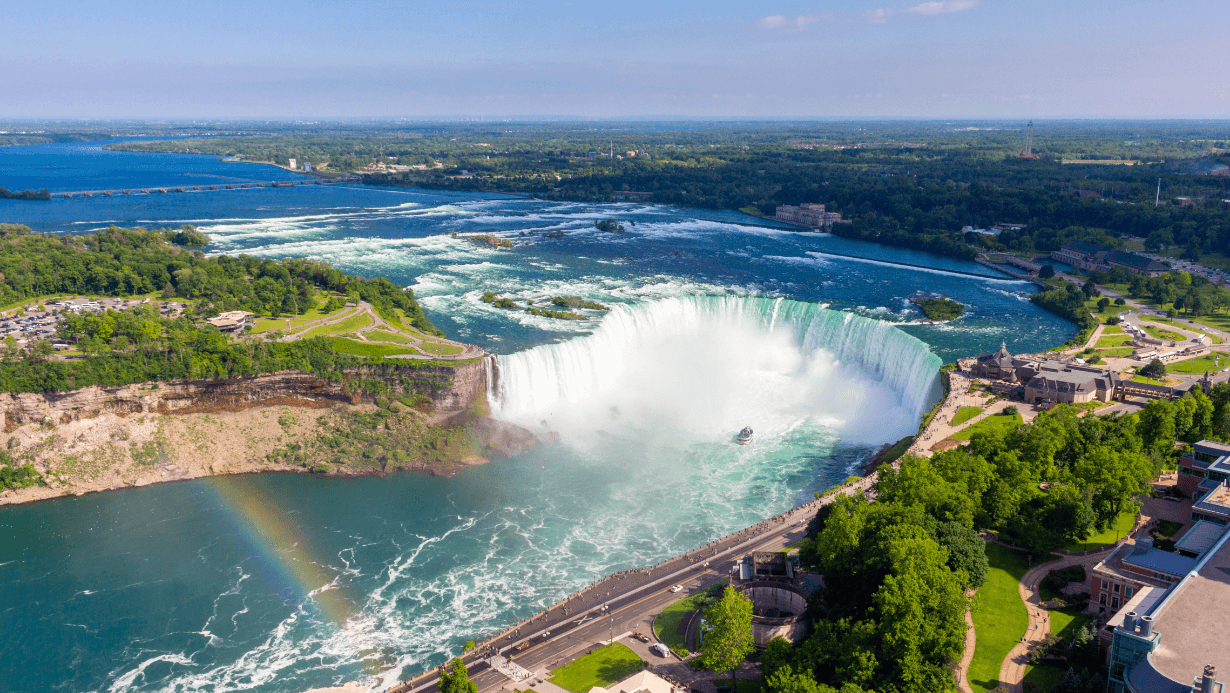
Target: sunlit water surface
column 282, row 583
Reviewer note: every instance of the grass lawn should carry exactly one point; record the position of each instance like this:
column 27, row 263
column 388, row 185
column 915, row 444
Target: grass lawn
column 1146, row 380
column 270, row 324
column 602, row 667
column 991, row 423
column 1165, row 335
column 1111, row 329
column 1167, row 528
column 965, row 414
column 1113, row 340
column 1115, row 353
column 1000, row 618
column 1111, row 311
column 1117, row 530
column 386, row 336
column 350, row 324
column 1045, row 676
column 439, row 348
column 1066, row 622
column 1211, row 362
column 666, row 625
column 357, row 348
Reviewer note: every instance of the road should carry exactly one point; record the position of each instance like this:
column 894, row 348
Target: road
column 626, row 602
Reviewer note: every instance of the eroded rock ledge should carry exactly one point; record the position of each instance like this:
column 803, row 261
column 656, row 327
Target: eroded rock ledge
column 99, row 438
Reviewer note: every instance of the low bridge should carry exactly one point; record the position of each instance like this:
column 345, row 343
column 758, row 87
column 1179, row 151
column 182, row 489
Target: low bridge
column 202, row 188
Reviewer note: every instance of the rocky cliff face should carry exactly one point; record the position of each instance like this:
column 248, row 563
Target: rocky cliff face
column 102, row 438
column 451, row 389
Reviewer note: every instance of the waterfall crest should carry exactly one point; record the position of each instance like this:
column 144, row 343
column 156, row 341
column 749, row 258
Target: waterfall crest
column 707, row 363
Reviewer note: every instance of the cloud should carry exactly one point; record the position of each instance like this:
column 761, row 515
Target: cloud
column 779, row 21
column 944, row 6
column 879, row 16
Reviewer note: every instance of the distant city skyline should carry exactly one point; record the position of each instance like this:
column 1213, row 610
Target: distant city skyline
column 774, row 58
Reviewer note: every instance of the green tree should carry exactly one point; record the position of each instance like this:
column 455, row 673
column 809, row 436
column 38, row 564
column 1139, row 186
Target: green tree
column 455, row 679
column 728, row 633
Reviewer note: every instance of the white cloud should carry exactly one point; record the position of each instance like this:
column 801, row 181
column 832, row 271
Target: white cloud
column 776, row 21
column 804, row 20
column 944, row 6
column 879, row 16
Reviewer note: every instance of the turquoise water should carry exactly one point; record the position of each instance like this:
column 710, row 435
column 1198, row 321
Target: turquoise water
column 281, row 583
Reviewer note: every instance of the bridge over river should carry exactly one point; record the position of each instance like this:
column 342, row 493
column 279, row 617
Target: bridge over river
column 245, row 185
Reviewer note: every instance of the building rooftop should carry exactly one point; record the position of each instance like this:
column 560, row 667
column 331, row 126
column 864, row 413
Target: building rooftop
column 1112, row 565
column 1143, row 555
column 641, row 681
column 1192, row 620
column 1085, row 247
column 1200, row 537
column 1215, row 501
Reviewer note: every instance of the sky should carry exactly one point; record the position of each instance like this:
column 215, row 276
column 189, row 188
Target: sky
column 633, row 58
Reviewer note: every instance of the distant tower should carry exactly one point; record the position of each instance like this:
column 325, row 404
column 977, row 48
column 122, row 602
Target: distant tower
column 1158, row 199
column 612, row 149
column 1029, row 144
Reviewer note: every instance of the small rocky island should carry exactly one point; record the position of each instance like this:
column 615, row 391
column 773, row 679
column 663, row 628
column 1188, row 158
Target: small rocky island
column 939, row 308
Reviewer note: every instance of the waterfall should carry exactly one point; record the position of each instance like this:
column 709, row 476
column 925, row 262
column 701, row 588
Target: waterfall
column 709, row 364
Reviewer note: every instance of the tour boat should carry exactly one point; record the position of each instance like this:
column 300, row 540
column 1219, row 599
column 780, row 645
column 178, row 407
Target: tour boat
column 745, row 436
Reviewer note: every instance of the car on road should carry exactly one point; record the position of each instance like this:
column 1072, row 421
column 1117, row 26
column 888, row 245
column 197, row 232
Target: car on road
column 659, row 649
column 640, row 636
column 677, row 588
column 522, row 647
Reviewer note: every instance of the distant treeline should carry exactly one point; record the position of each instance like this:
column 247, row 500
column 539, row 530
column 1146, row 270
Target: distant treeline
column 6, row 194
column 909, row 184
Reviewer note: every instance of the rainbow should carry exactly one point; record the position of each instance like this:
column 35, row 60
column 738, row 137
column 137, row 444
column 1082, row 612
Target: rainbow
column 282, row 546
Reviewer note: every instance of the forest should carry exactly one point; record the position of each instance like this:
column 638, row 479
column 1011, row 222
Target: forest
column 135, row 262
column 890, row 614
column 910, row 184
column 140, row 345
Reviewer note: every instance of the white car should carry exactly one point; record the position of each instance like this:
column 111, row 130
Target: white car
column 677, row 588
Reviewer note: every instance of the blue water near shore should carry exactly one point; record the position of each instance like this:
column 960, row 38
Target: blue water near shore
column 177, row 588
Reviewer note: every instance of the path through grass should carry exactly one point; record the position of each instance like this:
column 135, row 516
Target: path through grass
column 1000, row 618
column 602, row 667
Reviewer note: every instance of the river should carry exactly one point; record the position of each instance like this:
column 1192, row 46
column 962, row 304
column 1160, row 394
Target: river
column 285, row 582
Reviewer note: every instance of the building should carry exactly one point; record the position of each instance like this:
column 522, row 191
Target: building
column 307, row 167
column 293, row 165
column 1001, row 365
column 1207, row 466
column 1064, row 384
column 640, row 682
column 1092, row 257
column 809, row 214
column 778, row 591
column 1170, row 635
column 232, row 321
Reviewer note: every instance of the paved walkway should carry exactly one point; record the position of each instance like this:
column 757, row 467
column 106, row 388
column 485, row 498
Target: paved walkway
column 967, row 657
column 375, row 322
column 1012, row 671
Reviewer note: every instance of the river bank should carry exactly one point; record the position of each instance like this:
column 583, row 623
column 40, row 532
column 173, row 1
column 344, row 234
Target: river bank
column 98, row 439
